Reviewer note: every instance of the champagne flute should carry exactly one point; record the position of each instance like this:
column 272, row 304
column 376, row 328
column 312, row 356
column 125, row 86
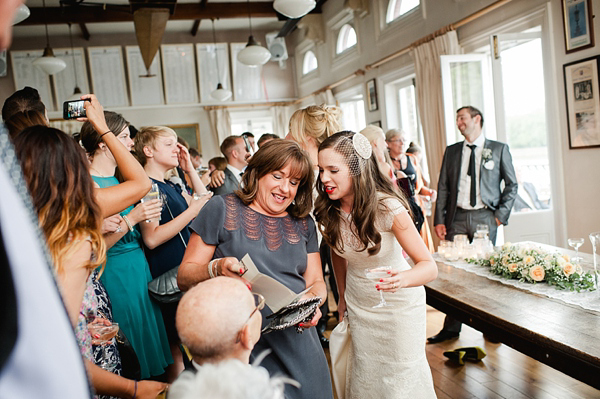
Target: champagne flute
column 595, row 239
column 575, row 243
column 377, row 274
column 153, row 194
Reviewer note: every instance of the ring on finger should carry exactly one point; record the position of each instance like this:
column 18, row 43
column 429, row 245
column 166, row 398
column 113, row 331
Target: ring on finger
column 118, row 230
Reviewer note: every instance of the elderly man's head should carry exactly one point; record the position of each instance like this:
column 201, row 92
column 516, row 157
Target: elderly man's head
column 218, row 320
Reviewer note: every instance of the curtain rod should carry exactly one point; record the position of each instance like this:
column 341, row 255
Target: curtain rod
column 384, row 60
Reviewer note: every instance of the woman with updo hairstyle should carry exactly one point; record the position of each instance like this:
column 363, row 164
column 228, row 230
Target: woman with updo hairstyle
column 127, row 272
column 310, row 126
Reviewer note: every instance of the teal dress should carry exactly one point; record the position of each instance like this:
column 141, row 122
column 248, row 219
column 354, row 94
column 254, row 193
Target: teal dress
column 126, row 278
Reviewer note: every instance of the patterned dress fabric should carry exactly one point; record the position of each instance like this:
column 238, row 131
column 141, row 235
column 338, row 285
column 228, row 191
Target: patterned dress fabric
column 387, row 356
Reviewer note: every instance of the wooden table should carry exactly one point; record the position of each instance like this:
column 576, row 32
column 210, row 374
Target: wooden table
column 565, row 337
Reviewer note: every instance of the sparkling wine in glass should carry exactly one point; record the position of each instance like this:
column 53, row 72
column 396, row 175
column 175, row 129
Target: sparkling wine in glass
column 153, row 194
column 377, row 274
column 575, row 243
column 102, row 333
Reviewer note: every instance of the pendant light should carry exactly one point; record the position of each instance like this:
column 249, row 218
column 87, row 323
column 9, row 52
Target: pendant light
column 294, row 8
column 77, row 91
column 219, row 93
column 253, row 54
column 48, row 62
column 22, row 14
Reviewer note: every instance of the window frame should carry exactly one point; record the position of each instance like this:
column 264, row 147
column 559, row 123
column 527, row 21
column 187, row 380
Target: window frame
column 401, row 16
column 304, row 62
column 335, row 24
column 386, row 32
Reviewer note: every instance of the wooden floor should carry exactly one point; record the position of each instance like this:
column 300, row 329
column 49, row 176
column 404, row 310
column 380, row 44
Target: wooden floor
column 504, row 373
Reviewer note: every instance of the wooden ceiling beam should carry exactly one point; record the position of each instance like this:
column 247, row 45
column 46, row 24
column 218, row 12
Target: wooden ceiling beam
column 84, row 31
column 186, row 11
column 195, row 27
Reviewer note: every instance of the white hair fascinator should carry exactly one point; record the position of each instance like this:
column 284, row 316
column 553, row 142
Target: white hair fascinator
column 356, row 150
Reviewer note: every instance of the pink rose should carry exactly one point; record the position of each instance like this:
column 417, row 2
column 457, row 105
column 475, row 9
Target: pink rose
column 512, row 267
column 569, row 269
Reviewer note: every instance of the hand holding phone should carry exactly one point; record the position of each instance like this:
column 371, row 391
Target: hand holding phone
column 248, row 146
column 74, row 109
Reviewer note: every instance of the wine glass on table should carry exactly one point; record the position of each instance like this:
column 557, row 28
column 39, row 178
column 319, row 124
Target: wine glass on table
column 575, row 243
column 376, row 274
column 595, row 239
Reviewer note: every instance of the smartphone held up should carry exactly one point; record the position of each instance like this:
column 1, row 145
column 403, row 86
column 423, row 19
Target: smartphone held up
column 74, row 109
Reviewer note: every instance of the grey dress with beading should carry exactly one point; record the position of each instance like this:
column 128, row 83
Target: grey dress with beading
column 279, row 247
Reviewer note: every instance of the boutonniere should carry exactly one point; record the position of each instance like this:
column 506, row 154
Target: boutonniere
column 486, row 158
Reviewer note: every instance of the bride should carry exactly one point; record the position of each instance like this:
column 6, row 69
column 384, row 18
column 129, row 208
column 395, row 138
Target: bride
column 387, row 359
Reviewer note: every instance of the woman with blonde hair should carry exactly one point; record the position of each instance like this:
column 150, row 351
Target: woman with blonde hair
column 367, row 224
column 310, row 126
column 376, row 137
column 166, row 237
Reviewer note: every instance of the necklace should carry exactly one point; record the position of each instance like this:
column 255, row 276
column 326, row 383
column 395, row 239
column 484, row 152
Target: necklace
column 99, row 174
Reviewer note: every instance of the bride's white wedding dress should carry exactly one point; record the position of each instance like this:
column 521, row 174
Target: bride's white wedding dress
column 387, row 356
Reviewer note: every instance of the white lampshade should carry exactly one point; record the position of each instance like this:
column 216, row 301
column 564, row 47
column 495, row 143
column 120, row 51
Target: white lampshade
column 49, row 63
column 21, row 14
column 294, row 8
column 221, row 94
column 253, row 54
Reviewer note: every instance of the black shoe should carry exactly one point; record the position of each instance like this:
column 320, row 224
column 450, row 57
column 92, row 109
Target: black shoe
column 442, row 336
column 474, row 353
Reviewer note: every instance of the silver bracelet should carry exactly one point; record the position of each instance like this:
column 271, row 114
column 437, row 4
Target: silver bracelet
column 210, row 269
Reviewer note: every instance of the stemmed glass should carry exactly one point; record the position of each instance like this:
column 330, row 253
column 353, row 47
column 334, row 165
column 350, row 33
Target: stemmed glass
column 377, row 274
column 595, row 239
column 575, row 243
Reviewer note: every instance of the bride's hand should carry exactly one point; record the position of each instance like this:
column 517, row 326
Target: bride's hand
column 341, row 308
column 392, row 283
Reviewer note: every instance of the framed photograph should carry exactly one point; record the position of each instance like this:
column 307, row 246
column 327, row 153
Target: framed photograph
column 582, row 92
column 376, row 123
column 579, row 27
column 190, row 133
column 372, row 95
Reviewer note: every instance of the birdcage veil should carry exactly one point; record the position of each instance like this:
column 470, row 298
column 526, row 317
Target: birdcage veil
column 357, row 150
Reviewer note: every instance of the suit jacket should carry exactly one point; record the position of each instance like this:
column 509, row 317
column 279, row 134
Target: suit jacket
column 231, row 184
column 498, row 200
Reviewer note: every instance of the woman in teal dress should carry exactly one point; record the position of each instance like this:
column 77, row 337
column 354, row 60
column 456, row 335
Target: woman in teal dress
column 127, row 274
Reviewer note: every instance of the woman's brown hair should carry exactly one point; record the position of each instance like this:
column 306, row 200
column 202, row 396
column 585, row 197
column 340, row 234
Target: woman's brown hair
column 56, row 172
column 273, row 156
column 24, row 119
column 90, row 138
column 370, row 187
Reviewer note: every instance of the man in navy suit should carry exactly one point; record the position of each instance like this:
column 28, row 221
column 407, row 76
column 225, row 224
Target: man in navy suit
column 234, row 150
column 470, row 191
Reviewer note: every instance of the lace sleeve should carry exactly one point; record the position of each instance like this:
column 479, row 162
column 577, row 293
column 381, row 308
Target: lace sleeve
column 390, row 207
column 209, row 221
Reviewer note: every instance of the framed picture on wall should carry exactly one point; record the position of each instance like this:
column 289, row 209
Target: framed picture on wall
column 372, row 95
column 578, row 24
column 190, row 133
column 583, row 102
column 376, row 123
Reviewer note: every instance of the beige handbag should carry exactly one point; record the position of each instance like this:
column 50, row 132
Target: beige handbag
column 339, row 349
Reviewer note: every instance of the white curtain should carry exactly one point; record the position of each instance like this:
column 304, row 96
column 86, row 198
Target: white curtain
column 326, row 97
column 281, row 119
column 220, row 123
column 430, row 96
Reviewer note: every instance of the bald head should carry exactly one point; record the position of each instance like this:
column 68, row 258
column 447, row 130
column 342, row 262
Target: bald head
column 210, row 316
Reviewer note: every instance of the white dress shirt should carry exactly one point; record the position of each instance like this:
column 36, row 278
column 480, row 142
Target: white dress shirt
column 236, row 172
column 464, row 185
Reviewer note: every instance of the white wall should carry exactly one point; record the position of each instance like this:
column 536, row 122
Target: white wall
column 580, row 169
column 280, row 83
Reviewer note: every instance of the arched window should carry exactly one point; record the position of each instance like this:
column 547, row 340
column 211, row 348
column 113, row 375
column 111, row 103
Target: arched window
column 346, row 39
column 397, row 8
column 310, row 62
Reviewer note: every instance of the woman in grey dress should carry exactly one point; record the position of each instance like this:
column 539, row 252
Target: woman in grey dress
column 269, row 220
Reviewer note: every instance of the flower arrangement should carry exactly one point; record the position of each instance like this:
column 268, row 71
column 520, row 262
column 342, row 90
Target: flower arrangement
column 534, row 265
